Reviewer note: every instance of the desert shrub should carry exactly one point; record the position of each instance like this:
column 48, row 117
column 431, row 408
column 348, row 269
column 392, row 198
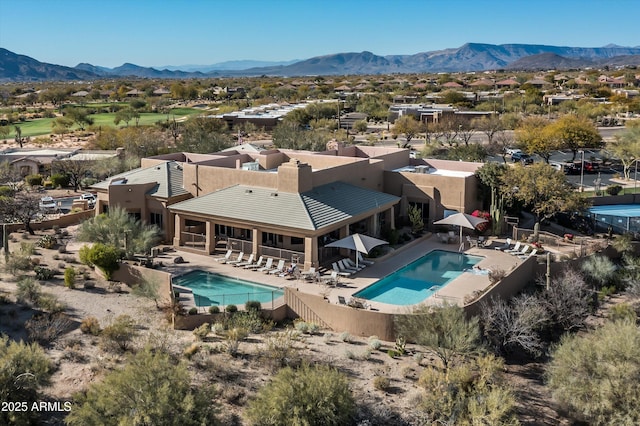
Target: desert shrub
column 47, row 241
column 233, row 338
column 56, row 229
column 50, row 303
column 191, row 350
column 90, row 325
column 375, row 343
column 193, row 311
column 25, row 369
column 471, row 392
column 302, row 326
column 27, row 248
column 59, row 180
column 61, row 249
column 69, row 259
column 202, row 332
column 381, row 383
column 595, row 374
column 622, row 312
column 28, row 290
column 33, row 180
column 17, row 262
column 231, row 308
column 613, row 189
column 310, row 395
column 280, row 348
column 43, row 273
column 418, row 357
column 253, row 305
column 496, row 275
column 313, row 328
column 105, row 257
column 250, row 321
column 218, row 328
column 120, row 332
column 151, row 389
column 346, row 337
column 70, row 277
column 213, row 309
column 46, row 328
column 326, row 338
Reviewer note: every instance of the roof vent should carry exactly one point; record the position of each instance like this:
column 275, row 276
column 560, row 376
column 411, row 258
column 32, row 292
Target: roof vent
column 274, row 194
column 248, row 191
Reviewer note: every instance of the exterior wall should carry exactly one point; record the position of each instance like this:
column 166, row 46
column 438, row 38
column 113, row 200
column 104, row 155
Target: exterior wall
column 362, row 173
column 358, row 322
column 132, row 275
column 200, row 179
column 62, row 221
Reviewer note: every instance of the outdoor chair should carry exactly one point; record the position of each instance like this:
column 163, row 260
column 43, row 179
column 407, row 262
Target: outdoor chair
column 342, row 300
column 343, row 267
column 238, row 259
column 243, row 264
column 504, row 246
column 340, row 272
column 309, row 274
column 362, row 260
column 278, row 269
column 472, row 242
column 267, row 266
column 258, row 264
column 515, row 248
column 526, row 256
column 348, row 263
column 522, row 252
column 225, row 258
column 333, row 279
column 444, row 238
column 358, row 303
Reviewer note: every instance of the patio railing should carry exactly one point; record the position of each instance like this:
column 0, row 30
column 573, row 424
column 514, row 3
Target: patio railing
column 193, row 240
column 245, row 246
column 289, row 255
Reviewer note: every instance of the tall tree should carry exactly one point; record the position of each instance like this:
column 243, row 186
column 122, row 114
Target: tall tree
column 489, row 126
column 80, row 116
column 574, row 133
column 75, row 169
column 407, row 125
column 22, row 207
column 204, row 135
column 626, row 148
column 534, row 137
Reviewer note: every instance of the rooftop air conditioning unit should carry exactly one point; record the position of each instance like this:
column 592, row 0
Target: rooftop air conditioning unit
column 422, row 169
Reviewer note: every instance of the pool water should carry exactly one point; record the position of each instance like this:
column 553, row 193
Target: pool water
column 214, row 289
column 420, row 279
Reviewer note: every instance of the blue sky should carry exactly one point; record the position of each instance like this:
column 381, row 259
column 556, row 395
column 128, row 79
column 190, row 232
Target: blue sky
column 171, row 32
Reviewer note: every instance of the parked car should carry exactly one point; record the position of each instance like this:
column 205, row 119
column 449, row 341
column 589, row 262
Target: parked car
column 48, row 204
column 521, row 157
column 566, row 168
column 591, row 167
column 89, row 198
column 511, row 151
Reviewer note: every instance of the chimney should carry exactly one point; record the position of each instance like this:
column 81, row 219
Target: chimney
column 295, row 177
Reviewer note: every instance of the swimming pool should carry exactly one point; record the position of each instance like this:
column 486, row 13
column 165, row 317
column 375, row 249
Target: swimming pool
column 420, row 279
column 214, row 289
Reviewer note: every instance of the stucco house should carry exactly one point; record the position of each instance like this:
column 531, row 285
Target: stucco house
column 285, row 203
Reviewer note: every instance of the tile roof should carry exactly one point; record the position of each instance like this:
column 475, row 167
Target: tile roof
column 312, row 210
column 167, row 176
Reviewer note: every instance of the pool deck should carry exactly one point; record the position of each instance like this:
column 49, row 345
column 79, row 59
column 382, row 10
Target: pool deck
column 454, row 292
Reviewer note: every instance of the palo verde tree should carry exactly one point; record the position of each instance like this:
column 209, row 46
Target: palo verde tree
column 151, row 390
column 408, row 126
column 626, row 148
column 76, row 170
column 79, row 116
column 21, row 207
column 541, row 188
column 204, row 135
column 533, row 136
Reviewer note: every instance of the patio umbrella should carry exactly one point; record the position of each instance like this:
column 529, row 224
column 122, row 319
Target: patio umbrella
column 362, row 243
column 461, row 220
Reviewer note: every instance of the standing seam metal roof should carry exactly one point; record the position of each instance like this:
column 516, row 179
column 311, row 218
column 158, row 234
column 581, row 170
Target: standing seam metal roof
column 311, row 210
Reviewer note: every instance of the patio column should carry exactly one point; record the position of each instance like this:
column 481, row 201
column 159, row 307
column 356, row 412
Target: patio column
column 310, row 252
column 177, row 238
column 373, row 225
column 257, row 238
column 391, row 218
column 210, row 238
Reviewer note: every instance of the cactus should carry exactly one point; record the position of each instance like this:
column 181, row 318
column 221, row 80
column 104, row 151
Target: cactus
column 536, row 232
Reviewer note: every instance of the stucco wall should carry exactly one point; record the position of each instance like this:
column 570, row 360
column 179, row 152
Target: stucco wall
column 62, row 221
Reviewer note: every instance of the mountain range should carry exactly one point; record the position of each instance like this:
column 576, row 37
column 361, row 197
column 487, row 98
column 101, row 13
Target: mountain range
column 469, row 57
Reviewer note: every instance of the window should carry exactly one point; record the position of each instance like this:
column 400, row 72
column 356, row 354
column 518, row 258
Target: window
column 424, row 208
column 297, row 240
column 155, row 219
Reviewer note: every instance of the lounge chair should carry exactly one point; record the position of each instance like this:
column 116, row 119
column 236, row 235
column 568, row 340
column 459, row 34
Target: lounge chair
column 348, row 263
column 342, row 300
column 267, row 266
column 340, row 272
column 291, row 272
column 238, row 259
column 515, row 248
column 343, row 267
column 362, row 260
column 472, row 242
column 504, row 246
column 243, row 264
column 225, row 257
column 309, row 274
column 522, row 252
column 258, row 264
column 358, row 303
column 526, row 256
column 333, row 279
column 444, row 239
column 278, row 269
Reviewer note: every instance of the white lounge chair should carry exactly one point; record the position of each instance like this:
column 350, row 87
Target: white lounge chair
column 444, row 238
column 333, row 279
column 238, row 259
column 279, row 268
column 472, row 242
column 243, row 264
column 362, row 260
column 340, row 272
column 505, row 246
column 344, row 267
column 267, row 266
column 225, row 257
column 515, row 248
column 309, row 274
column 526, row 256
column 522, row 252
column 258, row 264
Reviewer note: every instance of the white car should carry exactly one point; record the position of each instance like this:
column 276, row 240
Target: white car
column 89, row 198
column 511, row 151
column 48, row 204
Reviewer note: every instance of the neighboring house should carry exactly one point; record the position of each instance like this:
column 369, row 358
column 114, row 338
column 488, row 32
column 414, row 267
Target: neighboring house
column 285, row 203
column 34, row 161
